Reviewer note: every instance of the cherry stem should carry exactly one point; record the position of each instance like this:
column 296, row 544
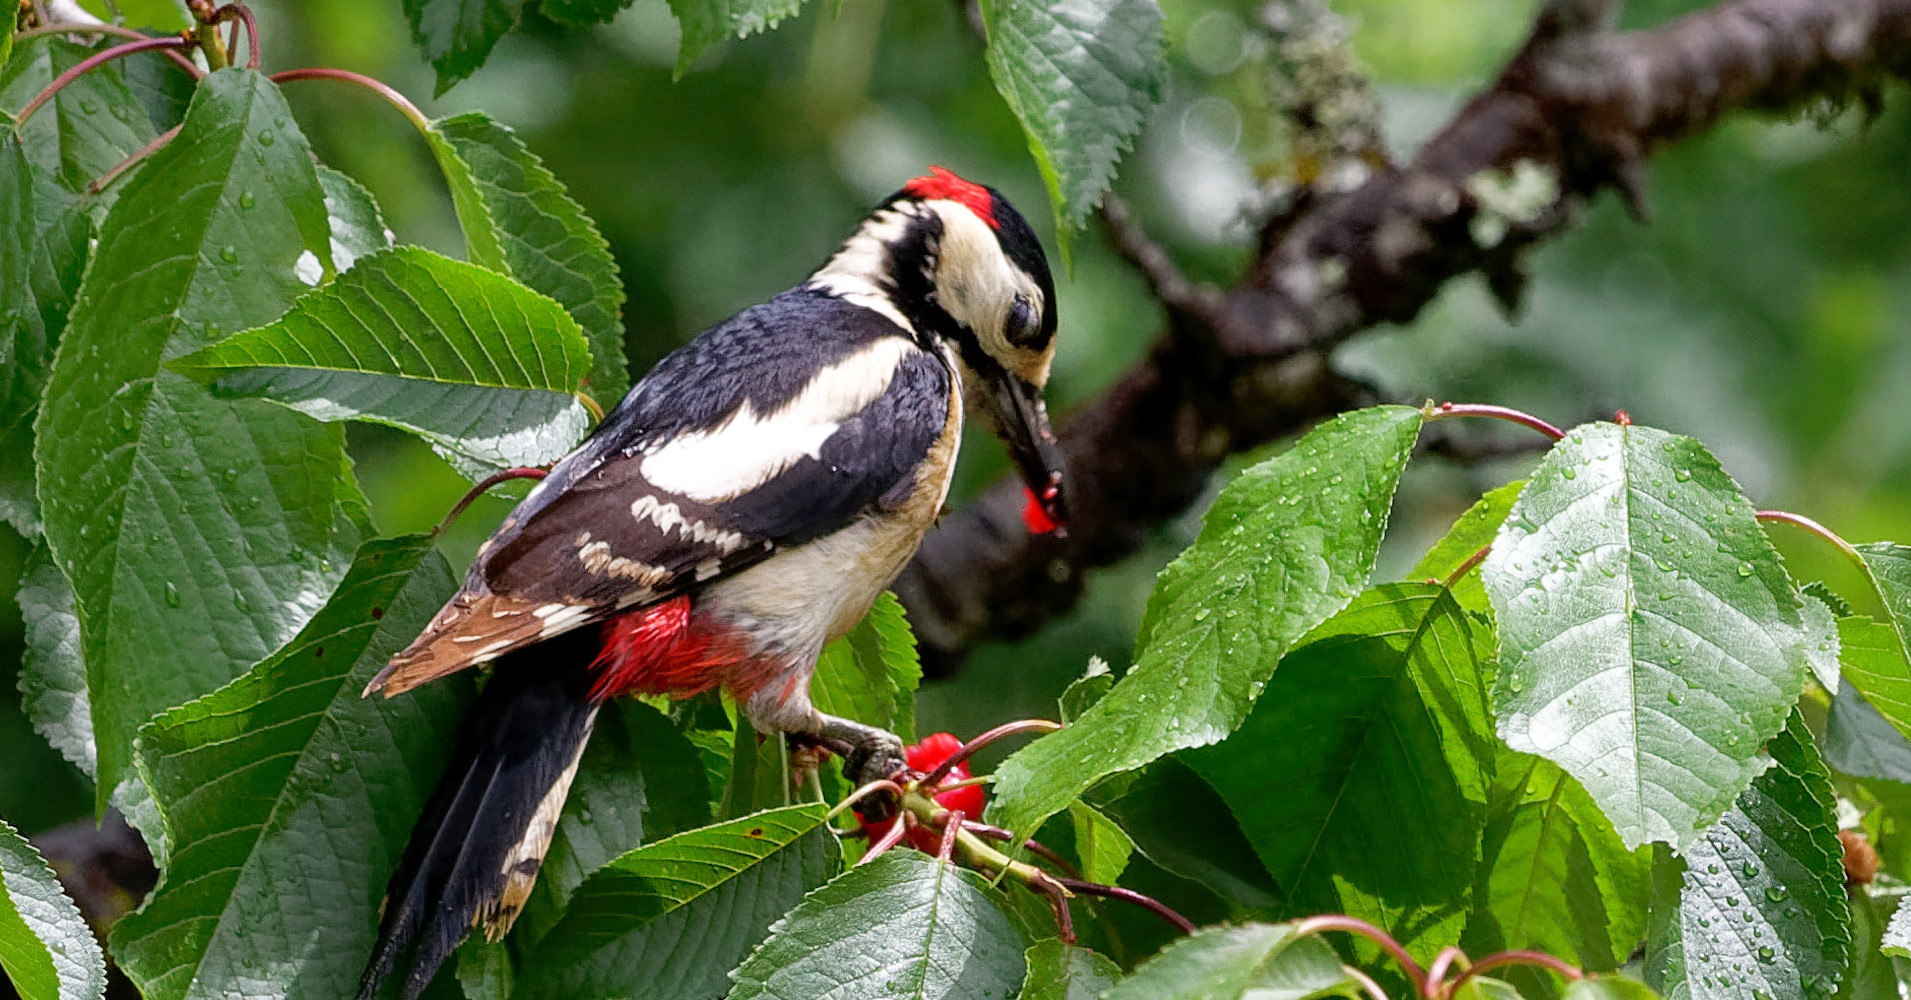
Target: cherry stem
column 890, row 838
column 1524, row 419
column 1031, row 845
column 968, row 749
column 1355, row 925
column 1437, row 972
column 391, row 96
column 477, row 491
column 880, row 784
column 1466, row 567
column 244, row 15
column 951, row 825
column 1148, row 903
column 96, row 59
column 1801, row 521
column 1366, row 982
column 1564, row 969
column 119, row 169
column 980, row 779
column 192, row 69
column 591, row 404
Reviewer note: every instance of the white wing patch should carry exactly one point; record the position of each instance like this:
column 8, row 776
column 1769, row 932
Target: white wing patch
column 667, row 517
column 746, row 450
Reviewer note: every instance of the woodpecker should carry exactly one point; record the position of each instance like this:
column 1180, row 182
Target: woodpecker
column 744, row 505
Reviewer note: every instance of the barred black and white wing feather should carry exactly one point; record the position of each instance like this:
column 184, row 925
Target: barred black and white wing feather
column 754, row 437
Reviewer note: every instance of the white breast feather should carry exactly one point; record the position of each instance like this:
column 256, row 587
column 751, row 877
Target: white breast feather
column 747, row 450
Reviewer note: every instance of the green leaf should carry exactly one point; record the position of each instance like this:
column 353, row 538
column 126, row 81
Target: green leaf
column 1896, row 940
column 1873, row 975
column 199, row 534
column 289, row 798
column 1378, row 727
column 1286, row 545
column 707, row 21
column 1081, row 75
column 87, row 128
column 1249, row 962
column 352, row 215
column 1554, row 876
column 457, row 35
column 1469, row 536
column 583, row 13
column 1102, row 846
column 52, row 675
column 1152, row 807
column 1873, row 660
column 1084, row 691
column 1650, row 638
column 870, row 675
column 1058, row 971
column 1860, row 741
column 473, row 362
column 519, row 220
column 904, row 926
column 670, row 918
column 1608, row 988
column 45, row 948
column 639, row 780
column 1759, row 907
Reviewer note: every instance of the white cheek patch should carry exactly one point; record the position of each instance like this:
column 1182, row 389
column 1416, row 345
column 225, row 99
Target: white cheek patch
column 746, row 450
column 976, row 283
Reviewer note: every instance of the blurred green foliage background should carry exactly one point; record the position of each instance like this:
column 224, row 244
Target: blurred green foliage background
column 1761, row 308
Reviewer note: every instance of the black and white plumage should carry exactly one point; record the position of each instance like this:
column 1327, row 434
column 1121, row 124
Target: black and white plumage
column 743, row 506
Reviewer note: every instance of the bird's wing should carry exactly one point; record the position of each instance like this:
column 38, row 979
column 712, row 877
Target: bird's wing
column 650, row 507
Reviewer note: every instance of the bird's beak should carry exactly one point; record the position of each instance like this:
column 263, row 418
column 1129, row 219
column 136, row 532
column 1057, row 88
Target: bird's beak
column 1021, row 418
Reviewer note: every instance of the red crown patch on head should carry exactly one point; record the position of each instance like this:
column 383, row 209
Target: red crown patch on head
column 942, row 184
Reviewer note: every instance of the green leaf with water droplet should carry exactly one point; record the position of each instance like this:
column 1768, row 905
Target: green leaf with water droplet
column 46, row 949
column 520, row 220
column 1592, row 659
column 289, row 797
column 466, row 358
column 669, row 919
column 1255, row 960
column 1306, row 547
column 1756, row 905
column 118, row 428
column 1378, row 726
column 902, row 927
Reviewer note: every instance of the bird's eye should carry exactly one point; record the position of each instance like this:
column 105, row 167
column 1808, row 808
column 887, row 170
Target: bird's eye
column 1024, row 327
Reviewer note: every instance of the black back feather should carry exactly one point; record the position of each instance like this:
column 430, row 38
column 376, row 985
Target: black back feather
column 514, row 744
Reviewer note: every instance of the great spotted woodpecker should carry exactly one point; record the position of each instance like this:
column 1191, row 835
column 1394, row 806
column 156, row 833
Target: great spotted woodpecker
column 743, row 506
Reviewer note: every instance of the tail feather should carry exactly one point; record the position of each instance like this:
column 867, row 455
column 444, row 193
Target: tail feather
column 476, row 849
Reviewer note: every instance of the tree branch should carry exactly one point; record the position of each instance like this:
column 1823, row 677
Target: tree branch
column 1575, row 111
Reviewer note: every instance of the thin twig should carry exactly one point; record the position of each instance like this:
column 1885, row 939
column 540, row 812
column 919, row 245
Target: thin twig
column 1173, row 288
column 391, row 96
column 1031, row 845
column 1444, row 961
column 96, row 59
column 1148, row 903
column 1504, row 958
column 119, row 169
column 1466, row 567
column 477, row 491
column 1366, row 982
column 951, row 825
column 243, row 14
column 1801, row 521
column 968, row 749
column 889, row 838
column 1507, row 413
column 1355, row 925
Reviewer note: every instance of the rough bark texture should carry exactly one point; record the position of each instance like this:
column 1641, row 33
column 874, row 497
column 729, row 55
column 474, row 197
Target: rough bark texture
column 1575, row 111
